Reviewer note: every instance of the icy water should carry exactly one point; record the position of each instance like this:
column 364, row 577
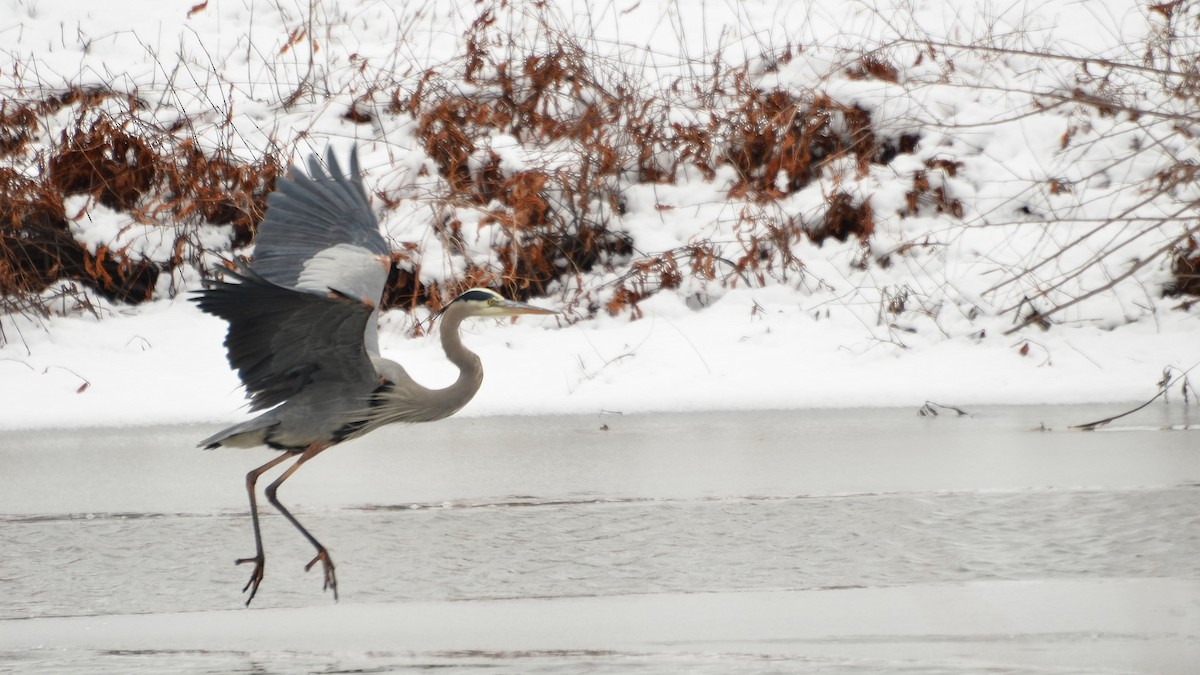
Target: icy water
column 856, row 541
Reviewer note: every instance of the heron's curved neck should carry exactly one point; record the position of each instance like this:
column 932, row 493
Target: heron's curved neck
column 401, row 399
column 470, row 370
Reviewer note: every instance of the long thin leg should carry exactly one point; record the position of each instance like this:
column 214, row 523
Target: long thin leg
column 322, row 553
column 259, row 559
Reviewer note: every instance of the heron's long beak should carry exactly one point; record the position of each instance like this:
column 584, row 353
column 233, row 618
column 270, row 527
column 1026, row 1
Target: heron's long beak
column 513, row 308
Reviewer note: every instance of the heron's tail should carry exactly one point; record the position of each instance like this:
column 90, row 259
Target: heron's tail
column 248, row 434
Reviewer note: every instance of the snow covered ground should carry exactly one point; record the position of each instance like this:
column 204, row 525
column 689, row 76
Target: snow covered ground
column 164, row 362
column 823, row 338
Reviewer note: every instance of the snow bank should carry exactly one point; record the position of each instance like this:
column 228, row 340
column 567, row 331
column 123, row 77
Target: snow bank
column 1038, row 182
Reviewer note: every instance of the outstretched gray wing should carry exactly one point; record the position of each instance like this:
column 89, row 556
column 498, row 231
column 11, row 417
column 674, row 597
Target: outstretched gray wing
column 281, row 340
column 319, row 234
column 313, row 216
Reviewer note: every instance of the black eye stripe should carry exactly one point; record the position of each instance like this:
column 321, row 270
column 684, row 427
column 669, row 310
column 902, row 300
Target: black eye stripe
column 477, row 296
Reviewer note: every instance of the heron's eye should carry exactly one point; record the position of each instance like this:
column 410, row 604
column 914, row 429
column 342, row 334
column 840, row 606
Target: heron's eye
column 491, row 301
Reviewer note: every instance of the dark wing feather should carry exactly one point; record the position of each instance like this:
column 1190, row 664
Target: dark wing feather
column 281, row 341
column 309, row 214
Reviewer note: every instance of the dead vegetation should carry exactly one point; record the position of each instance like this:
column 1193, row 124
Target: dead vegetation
column 110, row 155
column 1185, row 271
column 561, row 221
column 557, row 221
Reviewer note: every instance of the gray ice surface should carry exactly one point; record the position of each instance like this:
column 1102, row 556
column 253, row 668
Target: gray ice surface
column 811, row 540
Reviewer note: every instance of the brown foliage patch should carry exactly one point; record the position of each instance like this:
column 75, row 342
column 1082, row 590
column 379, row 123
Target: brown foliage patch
column 645, row 278
column 552, row 218
column 153, row 175
column 873, row 67
column 403, row 288
column 17, row 125
column 103, row 159
column 1185, row 270
column 37, row 248
column 923, row 193
column 843, row 219
column 33, row 234
column 779, row 143
column 218, row 188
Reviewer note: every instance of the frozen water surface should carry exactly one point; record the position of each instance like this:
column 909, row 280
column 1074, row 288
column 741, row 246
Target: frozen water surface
column 853, row 541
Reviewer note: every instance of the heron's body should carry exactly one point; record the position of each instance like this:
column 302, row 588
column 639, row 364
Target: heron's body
column 341, row 410
column 303, row 335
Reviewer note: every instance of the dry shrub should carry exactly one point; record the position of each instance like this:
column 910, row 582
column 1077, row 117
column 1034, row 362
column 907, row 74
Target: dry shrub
column 450, row 129
column 1170, row 51
column 36, row 246
column 552, row 93
column 538, row 93
column 152, row 175
column 767, row 239
column 19, row 118
column 844, row 218
column 403, row 288
column 924, row 194
column 37, row 250
column 557, row 221
column 103, row 159
column 872, row 67
column 1171, row 48
column 17, row 125
column 646, row 277
column 218, row 188
column 34, row 238
column 599, row 122
column 1185, row 270
column 779, row 143
column 554, row 218
column 95, row 156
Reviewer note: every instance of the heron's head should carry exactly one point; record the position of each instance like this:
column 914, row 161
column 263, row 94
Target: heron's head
column 486, row 302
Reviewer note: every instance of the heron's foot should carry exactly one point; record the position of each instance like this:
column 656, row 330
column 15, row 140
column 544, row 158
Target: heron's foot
column 256, row 576
column 327, row 564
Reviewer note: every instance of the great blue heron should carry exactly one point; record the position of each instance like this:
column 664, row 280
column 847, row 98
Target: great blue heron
column 303, row 335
